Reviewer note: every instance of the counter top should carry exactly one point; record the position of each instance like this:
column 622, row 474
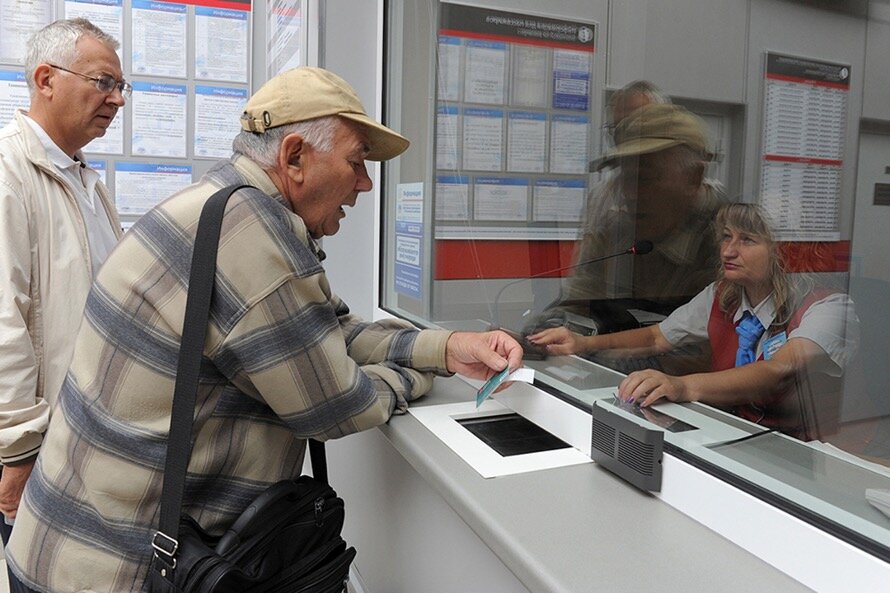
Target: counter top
column 578, row 528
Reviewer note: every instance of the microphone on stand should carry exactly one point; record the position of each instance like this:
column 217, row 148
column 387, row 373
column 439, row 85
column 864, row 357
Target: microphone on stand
column 639, row 248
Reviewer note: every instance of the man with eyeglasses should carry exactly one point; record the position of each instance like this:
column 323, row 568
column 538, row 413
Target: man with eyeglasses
column 57, row 226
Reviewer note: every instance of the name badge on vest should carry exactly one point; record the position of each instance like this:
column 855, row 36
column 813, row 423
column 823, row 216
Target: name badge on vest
column 773, row 344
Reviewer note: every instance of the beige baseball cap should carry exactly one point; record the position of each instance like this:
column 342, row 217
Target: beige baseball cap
column 656, row 127
column 307, row 93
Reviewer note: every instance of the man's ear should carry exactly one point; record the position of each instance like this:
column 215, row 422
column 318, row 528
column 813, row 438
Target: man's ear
column 290, row 155
column 43, row 79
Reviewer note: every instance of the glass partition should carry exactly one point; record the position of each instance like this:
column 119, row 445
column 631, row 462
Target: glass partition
column 569, row 179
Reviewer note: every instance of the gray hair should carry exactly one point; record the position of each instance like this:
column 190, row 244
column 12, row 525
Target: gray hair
column 639, row 87
column 57, row 44
column 263, row 148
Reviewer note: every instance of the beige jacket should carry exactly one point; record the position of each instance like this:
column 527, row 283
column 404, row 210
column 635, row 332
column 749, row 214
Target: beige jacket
column 45, row 275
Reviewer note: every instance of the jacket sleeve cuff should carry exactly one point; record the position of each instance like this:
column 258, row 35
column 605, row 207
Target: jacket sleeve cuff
column 23, row 461
column 429, row 351
column 22, row 450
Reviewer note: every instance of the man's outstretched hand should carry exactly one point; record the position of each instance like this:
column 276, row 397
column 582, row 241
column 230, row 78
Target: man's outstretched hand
column 480, row 355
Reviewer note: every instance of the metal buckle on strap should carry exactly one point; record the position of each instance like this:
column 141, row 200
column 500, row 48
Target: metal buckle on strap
column 164, row 544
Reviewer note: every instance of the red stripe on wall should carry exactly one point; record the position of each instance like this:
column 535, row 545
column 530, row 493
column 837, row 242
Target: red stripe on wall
column 809, row 81
column 244, row 5
column 805, row 160
column 469, row 259
column 472, row 259
column 817, row 256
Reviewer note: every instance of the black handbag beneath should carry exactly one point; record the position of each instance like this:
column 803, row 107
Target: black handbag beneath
column 288, row 539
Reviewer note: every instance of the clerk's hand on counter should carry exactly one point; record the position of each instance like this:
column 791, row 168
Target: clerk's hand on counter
column 649, row 386
column 559, row 341
column 480, row 355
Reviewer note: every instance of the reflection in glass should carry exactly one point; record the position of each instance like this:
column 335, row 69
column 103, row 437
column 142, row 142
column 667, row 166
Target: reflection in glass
column 531, row 237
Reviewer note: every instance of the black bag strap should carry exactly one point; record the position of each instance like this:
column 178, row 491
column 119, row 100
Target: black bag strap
column 194, row 330
column 319, row 461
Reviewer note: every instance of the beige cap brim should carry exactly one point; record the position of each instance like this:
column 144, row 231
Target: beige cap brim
column 385, row 143
column 633, row 148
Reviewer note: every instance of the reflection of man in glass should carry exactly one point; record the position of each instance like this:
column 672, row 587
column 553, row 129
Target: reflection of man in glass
column 659, row 194
column 627, row 100
column 780, row 344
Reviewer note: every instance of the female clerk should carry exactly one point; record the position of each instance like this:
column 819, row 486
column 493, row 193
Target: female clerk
column 778, row 347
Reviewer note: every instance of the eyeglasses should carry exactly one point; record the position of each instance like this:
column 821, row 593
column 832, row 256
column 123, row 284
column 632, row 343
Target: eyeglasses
column 608, row 135
column 105, row 83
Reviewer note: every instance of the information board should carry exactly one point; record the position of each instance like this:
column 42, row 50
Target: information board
column 513, row 139
column 804, row 127
column 177, row 122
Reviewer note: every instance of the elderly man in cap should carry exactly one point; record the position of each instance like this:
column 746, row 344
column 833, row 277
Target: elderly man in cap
column 660, row 153
column 284, row 360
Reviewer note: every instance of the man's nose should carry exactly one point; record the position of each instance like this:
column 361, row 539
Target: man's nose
column 363, row 181
column 116, row 97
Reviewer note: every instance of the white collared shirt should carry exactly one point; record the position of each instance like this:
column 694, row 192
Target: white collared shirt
column 830, row 322
column 81, row 180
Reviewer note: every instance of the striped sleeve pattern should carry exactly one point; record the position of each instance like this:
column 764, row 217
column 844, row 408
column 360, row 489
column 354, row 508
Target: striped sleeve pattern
column 283, row 360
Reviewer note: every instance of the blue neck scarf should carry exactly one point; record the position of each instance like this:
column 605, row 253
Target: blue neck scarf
column 749, row 330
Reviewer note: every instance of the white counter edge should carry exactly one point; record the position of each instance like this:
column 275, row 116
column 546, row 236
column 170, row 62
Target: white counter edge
column 815, row 558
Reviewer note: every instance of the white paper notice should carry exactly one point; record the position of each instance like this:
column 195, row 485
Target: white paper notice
column 141, row 186
column 527, row 138
column 409, row 260
column 221, row 44
column 558, row 200
column 113, row 141
column 449, row 68
column 571, row 79
column 446, row 137
column 452, row 198
column 530, row 86
column 108, row 15
column 571, row 61
column 804, row 133
column 568, row 144
column 13, row 94
column 483, row 139
column 802, row 199
column 159, row 116
column 285, row 24
column 159, row 34
column 804, row 120
column 501, row 199
column 18, row 20
column 216, row 119
column 484, row 72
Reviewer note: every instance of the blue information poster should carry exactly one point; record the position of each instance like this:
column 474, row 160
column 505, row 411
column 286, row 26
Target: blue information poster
column 409, row 240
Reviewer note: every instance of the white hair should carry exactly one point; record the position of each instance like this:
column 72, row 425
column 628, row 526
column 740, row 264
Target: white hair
column 262, row 148
column 57, row 44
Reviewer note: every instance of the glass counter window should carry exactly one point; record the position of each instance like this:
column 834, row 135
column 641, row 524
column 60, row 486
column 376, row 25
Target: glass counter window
column 552, row 192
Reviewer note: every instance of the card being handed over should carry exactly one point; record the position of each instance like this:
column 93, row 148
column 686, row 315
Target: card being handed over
column 523, row 374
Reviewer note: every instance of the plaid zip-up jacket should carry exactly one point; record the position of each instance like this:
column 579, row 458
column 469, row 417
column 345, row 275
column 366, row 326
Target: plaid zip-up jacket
column 283, row 361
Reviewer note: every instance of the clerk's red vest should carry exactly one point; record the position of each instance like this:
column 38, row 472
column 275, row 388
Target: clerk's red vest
column 808, row 410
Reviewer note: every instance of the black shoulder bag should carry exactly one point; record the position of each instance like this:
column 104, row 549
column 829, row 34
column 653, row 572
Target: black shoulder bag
column 288, row 539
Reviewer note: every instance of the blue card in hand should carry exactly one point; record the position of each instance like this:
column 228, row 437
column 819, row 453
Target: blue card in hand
column 489, row 386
